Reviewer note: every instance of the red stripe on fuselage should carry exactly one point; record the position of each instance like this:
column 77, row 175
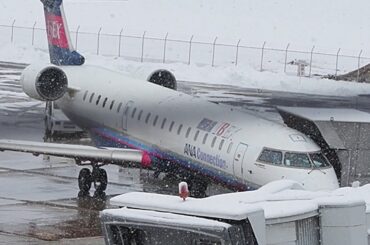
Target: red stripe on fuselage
column 56, row 31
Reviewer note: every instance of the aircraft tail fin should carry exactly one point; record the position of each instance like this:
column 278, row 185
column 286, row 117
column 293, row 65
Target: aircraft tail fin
column 60, row 46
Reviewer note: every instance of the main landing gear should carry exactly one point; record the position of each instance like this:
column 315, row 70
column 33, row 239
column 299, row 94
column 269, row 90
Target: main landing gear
column 97, row 176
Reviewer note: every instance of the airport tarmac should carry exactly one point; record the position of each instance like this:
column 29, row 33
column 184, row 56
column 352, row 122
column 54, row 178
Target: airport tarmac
column 39, row 201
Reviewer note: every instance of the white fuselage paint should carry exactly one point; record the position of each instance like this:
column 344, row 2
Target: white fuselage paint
column 247, row 133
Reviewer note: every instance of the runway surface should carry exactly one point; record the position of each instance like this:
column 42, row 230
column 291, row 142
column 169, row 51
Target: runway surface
column 38, row 195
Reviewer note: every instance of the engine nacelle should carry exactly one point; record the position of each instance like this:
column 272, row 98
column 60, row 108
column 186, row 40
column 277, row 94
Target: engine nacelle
column 163, row 78
column 46, row 83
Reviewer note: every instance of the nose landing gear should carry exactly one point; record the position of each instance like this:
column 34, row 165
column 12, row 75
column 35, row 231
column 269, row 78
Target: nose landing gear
column 98, row 177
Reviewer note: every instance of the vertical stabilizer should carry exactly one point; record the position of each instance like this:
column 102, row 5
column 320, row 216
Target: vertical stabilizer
column 60, row 46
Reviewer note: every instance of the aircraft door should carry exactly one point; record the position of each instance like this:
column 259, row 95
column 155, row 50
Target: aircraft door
column 239, row 159
column 126, row 113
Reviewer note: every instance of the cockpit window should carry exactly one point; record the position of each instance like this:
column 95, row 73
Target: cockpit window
column 298, row 160
column 318, row 160
column 271, row 156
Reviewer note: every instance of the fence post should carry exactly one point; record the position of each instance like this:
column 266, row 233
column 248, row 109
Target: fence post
column 11, row 37
column 286, row 57
column 142, row 47
column 263, row 49
column 78, row 29
column 33, row 33
column 213, row 51
column 119, row 42
column 336, row 64
column 98, row 42
column 237, row 53
column 358, row 66
column 313, row 47
column 190, row 43
column 164, row 48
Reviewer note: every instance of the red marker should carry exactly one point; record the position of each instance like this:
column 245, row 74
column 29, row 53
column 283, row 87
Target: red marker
column 183, row 190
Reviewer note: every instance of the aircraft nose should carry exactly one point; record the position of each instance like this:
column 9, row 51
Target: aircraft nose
column 324, row 179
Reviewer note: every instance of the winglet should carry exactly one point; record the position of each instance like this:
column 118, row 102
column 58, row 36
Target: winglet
column 60, row 46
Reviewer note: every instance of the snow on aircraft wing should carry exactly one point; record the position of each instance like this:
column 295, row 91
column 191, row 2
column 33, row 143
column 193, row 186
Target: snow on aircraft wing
column 78, row 152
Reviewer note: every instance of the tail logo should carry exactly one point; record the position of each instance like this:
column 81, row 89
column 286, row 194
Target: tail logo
column 56, row 33
column 60, row 47
column 54, row 29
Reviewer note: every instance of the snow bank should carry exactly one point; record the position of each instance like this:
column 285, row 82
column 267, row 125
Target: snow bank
column 278, row 199
column 242, row 76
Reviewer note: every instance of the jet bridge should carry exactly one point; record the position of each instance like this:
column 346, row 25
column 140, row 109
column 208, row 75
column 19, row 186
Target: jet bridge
column 343, row 135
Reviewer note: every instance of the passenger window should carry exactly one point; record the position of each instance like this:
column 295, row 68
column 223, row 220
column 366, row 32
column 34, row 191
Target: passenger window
column 111, row 105
column 91, row 97
column 133, row 113
column 271, row 156
column 139, row 116
column 205, row 138
column 230, row 146
column 155, row 120
column 188, row 132
column 171, row 126
column 97, row 101
column 298, row 160
column 147, row 117
column 119, row 107
column 221, row 144
column 196, row 135
column 179, row 130
column 127, row 109
column 105, row 101
column 213, row 141
column 163, row 122
column 85, row 95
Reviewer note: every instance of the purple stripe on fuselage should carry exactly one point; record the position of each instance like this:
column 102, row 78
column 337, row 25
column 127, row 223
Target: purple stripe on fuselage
column 120, row 140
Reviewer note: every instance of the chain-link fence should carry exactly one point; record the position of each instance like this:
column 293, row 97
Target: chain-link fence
column 168, row 50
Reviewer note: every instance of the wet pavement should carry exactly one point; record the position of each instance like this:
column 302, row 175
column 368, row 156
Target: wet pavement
column 39, row 201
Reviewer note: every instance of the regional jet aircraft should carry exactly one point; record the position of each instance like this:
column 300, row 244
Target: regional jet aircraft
column 152, row 124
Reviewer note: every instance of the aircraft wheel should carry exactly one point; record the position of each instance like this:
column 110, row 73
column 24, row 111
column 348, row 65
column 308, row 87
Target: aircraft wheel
column 84, row 180
column 100, row 179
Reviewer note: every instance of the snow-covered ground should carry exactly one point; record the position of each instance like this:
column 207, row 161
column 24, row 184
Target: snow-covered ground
column 328, row 25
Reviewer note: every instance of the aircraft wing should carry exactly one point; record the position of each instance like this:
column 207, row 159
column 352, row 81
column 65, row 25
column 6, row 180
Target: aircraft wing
column 77, row 152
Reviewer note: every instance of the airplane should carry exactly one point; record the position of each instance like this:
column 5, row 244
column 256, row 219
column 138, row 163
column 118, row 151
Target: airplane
column 153, row 125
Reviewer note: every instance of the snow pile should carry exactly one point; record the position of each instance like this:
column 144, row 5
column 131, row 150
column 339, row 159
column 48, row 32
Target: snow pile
column 222, row 75
column 279, row 199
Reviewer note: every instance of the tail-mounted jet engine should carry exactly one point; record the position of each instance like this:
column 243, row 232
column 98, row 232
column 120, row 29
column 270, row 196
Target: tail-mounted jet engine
column 47, row 83
column 163, row 78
